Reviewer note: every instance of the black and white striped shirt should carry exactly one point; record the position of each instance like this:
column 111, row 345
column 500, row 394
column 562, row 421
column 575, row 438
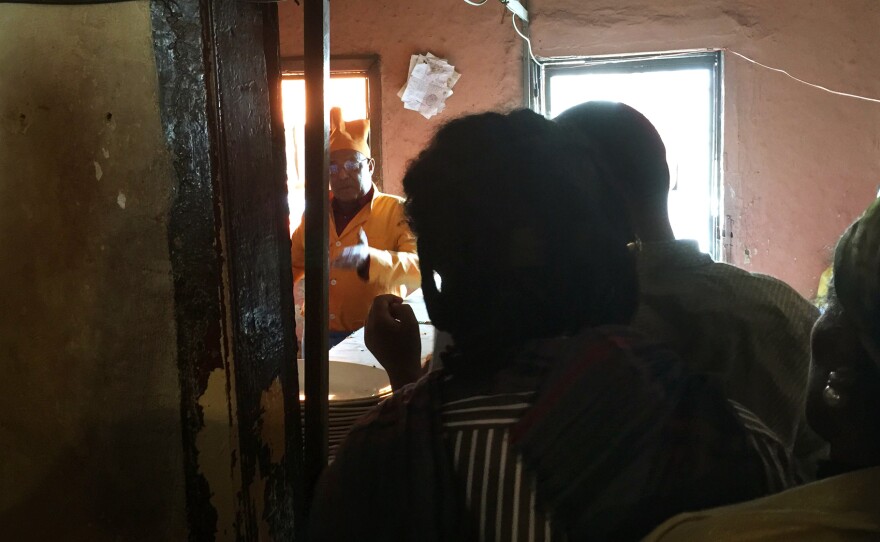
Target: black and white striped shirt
column 499, row 493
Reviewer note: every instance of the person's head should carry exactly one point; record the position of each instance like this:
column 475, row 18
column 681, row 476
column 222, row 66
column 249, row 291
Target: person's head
column 513, row 215
column 351, row 166
column 634, row 151
column 843, row 403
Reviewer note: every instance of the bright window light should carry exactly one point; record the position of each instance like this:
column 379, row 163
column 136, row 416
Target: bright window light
column 680, row 102
column 349, row 93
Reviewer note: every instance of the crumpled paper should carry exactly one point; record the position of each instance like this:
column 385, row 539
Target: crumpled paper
column 429, row 84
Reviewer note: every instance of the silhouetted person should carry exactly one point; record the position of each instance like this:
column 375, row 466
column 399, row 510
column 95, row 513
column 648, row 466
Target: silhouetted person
column 550, row 417
column 751, row 330
column 843, row 405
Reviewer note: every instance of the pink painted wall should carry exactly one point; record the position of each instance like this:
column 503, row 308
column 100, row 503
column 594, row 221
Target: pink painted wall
column 799, row 164
column 481, row 46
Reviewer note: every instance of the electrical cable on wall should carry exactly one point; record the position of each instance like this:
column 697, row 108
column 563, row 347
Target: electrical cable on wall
column 513, row 17
column 540, row 61
column 783, row 72
column 517, row 11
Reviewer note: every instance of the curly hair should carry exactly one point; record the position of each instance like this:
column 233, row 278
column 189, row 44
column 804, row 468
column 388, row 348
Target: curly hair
column 527, row 238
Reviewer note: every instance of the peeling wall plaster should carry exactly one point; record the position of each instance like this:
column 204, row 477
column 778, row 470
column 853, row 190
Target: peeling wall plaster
column 272, row 429
column 217, row 442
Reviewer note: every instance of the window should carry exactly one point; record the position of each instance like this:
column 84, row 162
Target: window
column 680, row 94
column 354, row 84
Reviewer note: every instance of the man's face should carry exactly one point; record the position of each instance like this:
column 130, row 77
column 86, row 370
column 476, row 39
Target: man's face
column 351, row 175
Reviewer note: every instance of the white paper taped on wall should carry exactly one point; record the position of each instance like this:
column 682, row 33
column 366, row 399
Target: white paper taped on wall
column 429, row 84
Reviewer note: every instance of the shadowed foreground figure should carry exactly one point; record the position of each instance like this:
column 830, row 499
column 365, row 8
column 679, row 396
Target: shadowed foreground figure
column 550, row 419
column 843, row 405
column 750, row 330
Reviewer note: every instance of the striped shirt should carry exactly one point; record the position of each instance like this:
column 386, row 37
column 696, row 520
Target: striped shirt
column 492, row 480
column 598, row 436
column 499, row 493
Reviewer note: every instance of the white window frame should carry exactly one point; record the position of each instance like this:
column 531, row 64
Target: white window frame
column 539, row 95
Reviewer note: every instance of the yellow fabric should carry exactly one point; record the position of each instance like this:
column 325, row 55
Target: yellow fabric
column 824, row 282
column 394, row 264
column 351, row 135
column 841, row 508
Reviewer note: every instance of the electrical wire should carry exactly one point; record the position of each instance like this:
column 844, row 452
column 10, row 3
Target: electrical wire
column 820, row 87
column 513, row 18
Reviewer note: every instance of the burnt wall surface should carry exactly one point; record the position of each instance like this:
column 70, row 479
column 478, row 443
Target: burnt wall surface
column 230, row 260
column 90, row 435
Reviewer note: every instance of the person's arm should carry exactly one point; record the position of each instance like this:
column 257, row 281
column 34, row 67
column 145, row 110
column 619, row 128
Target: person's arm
column 399, row 266
column 298, row 251
column 391, row 268
column 392, row 335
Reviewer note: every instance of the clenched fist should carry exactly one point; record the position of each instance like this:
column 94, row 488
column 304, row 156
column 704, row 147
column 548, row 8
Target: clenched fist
column 392, row 335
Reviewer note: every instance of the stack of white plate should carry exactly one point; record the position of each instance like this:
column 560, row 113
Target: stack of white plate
column 343, row 414
column 357, row 380
column 354, row 390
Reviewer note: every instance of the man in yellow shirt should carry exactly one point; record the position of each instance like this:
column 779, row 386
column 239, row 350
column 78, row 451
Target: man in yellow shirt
column 372, row 250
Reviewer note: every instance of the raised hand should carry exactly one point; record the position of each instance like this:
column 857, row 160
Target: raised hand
column 392, row 335
column 354, row 257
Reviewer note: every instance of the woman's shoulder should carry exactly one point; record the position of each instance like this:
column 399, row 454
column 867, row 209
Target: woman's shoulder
column 838, row 508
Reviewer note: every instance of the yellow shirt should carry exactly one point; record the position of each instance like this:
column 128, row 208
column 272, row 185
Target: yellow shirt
column 840, row 508
column 394, row 264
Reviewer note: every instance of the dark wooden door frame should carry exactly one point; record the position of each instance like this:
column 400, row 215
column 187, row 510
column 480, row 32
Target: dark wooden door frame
column 219, row 80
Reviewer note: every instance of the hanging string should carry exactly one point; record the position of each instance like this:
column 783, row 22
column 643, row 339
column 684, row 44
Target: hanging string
column 820, row 87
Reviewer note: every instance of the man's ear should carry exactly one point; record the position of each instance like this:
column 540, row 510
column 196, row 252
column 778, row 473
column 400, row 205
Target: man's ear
column 371, row 165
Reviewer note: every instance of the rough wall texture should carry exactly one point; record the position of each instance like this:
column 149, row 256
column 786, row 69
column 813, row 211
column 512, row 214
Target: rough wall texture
column 478, row 41
column 90, row 445
column 799, row 164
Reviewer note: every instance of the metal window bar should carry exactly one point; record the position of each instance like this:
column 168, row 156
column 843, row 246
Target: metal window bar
column 316, row 15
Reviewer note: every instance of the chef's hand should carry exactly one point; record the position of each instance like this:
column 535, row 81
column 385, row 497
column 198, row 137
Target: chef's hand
column 392, row 335
column 356, row 257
